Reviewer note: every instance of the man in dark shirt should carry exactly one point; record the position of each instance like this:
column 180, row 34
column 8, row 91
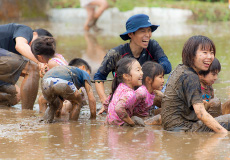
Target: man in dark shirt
column 16, row 59
column 139, row 31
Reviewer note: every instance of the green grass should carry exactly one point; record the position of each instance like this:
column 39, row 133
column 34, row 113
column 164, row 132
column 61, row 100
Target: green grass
column 202, row 10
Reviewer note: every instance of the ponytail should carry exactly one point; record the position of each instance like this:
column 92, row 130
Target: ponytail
column 123, row 66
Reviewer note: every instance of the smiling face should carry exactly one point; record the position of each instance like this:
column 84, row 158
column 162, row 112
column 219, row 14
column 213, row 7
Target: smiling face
column 135, row 76
column 158, row 82
column 203, row 59
column 141, row 37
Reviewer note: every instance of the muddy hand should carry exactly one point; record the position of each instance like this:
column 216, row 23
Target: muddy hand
column 138, row 121
column 101, row 110
column 43, row 69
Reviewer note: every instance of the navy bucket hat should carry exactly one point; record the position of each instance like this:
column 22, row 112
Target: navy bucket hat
column 135, row 22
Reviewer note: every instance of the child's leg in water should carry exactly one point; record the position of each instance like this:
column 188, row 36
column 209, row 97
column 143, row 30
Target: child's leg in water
column 42, row 104
column 51, row 110
column 74, row 114
column 66, row 108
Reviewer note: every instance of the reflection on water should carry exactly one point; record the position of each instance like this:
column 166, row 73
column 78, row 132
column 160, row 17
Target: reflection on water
column 22, row 136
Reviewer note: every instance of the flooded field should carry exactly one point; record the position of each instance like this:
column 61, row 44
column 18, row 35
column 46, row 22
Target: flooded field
column 23, row 137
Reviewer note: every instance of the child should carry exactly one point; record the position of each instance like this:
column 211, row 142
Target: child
column 120, row 109
column 153, row 79
column 62, row 83
column 44, row 49
column 207, row 79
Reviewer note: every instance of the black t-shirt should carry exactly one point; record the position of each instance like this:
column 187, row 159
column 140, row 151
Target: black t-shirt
column 10, row 31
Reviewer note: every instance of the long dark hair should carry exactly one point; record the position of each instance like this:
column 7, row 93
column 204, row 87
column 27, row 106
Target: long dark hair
column 44, row 45
column 123, row 66
column 192, row 45
column 151, row 69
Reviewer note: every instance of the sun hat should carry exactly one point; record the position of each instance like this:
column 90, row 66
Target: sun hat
column 135, row 22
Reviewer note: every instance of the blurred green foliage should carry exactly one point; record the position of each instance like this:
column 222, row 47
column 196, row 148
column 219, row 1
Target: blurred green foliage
column 203, row 10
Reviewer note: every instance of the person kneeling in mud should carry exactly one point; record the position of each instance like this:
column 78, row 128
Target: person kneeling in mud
column 182, row 105
column 62, row 83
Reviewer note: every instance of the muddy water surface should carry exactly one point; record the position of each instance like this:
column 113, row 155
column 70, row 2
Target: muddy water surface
column 22, row 136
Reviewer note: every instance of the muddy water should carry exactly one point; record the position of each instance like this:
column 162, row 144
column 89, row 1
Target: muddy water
column 22, row 136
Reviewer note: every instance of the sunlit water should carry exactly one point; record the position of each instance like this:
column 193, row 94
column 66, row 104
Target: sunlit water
column 23, row 137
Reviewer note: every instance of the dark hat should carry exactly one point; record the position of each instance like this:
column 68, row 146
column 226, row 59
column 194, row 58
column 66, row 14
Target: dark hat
column 135, row 22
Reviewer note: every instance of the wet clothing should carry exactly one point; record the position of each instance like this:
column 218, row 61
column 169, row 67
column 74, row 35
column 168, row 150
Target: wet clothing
column 207, row 93
column 154, row 52
column 184, row 90
column 144, row 101
column 123, row 99
column 62, row 81
column 8, row 95
column 69, row 73
column 11, row 61
column 11, row 66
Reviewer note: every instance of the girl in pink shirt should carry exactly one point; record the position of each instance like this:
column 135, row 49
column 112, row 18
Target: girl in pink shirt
column 153, row 79
column 128, row 75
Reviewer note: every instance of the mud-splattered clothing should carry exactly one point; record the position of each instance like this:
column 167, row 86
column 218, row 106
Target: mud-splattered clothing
column 154, row 52
column 11, row 66
column 123, row 99
column 184, row 90
column 69, row 73
column 144, row 101
column 207, row 93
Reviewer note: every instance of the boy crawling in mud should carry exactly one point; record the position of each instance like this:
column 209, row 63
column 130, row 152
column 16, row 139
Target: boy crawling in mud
column 63, row 83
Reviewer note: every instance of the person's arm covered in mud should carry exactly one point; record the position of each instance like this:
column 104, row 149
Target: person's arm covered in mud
column 207, row 119
column 92, row 100
column 122, row 114
column 108, row 64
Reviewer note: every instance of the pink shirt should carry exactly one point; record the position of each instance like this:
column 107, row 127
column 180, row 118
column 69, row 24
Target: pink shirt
column 144, row 101
column 123, row 99
column 59, row 59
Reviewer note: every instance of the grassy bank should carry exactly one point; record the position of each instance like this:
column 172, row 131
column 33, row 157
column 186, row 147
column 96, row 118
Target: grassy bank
column 202, row 10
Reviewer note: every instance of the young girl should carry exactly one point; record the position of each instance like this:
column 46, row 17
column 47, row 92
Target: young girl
column 153, row 79
column 44, row 49
column 120, row 109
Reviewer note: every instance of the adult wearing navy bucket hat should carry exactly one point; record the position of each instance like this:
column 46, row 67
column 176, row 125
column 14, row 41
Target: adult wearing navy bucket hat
column 139, row 30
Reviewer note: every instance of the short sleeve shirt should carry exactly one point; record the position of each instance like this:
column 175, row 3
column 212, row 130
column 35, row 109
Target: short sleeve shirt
column 69, row 73
column 183, row 90
column 10, row 31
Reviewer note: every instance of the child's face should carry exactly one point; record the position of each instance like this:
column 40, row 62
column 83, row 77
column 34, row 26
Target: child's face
column 158, row 82
column 136, row 74
column 210, row 78
column 203, row 60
